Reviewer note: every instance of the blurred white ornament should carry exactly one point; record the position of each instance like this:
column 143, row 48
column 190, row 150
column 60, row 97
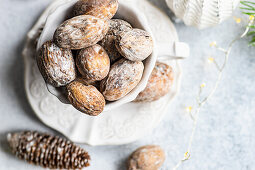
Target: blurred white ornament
column 202, row 13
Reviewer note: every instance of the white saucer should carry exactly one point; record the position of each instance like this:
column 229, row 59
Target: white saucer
column 123, row 125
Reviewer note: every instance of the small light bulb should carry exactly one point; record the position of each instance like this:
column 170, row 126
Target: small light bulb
column 210, row 60
column 213, row 44
column 251, row 17
column 238, row 20
column 188, row 109
column 202, row 85
column 186, row 155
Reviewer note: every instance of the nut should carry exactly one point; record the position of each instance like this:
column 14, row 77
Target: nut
column 135, row 45
column 123, row 77
column 159, row 83
column 56, row 64
column 83, row 80
column 148, row 157
column 117, row 26
column 93, row 63
column 104, row 9
column 108, row 42
column 80, row 32
column 85, row 98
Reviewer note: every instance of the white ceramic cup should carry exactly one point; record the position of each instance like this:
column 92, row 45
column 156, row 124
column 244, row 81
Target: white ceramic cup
column 127, row 11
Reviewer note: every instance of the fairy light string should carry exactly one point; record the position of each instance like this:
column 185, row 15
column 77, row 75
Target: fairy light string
column 199, row 101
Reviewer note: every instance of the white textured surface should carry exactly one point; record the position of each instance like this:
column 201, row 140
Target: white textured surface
column 225, row 138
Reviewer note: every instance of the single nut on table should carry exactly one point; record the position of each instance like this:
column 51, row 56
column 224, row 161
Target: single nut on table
column 85, row 98
column 105, row 9
column 123, row 77
column 56, row 64
column 159, row 83
column 93, row 63
column 80, row 32
column 148, row 157
column 117, row 26
column 135, row 45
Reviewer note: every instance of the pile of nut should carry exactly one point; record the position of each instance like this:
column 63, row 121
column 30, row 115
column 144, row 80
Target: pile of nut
column 95, row 57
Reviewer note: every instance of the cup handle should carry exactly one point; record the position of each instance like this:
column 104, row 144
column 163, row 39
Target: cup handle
column 176, row 50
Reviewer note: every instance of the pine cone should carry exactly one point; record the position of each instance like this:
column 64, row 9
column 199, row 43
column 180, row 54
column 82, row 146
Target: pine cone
column 48, row 151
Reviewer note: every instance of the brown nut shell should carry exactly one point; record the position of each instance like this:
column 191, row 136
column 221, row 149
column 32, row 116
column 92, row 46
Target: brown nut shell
column 108, row 43
column 56, row 64
column 148, row 157
column 87, row 82
column 159, row 83
column 135, row 45
column 93, row 63
column 117, row 26
column 104, row 9
column 85, row 98
column 123, row 77
column 80, row 32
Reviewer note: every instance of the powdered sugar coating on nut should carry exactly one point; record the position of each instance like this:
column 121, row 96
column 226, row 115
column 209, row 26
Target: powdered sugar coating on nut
column 150, row 157
column 159, row 83
column 123, row 77
column 135, row 45
column 80, row 32
column 87, row 82
column 85, row 98
column 117, row 26
column 93, row 63
column 56, row 64
column 104, row 9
